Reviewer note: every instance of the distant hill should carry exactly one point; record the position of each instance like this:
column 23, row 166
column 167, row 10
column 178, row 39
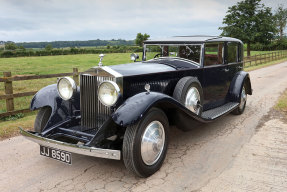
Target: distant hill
column 89, row 43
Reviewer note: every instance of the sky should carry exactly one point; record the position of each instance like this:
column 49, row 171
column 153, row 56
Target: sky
column 60, row 20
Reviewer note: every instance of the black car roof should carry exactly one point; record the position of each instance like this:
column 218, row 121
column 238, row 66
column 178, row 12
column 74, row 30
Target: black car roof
column 191, row 39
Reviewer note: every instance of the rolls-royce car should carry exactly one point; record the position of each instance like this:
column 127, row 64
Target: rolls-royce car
column 125, row 111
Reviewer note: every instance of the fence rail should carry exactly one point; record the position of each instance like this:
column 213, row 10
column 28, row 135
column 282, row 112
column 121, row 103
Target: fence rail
column 9, row 96
column 264, row 58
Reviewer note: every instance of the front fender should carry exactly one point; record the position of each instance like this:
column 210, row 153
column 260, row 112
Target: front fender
column 236, row 85
column 134, row 108
column 61, row 109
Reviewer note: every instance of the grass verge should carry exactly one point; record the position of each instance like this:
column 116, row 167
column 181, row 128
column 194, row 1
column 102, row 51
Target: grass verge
column 282, row 103
column 10, row 128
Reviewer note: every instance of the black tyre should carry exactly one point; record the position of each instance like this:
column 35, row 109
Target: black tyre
column 188, row 91
column 145, row 143
column 243, row 98
column 42, row 119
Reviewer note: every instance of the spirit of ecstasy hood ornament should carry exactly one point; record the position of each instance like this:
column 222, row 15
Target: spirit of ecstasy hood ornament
column 101, row 59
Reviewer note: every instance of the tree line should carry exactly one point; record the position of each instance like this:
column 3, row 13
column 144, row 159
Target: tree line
column 49, row 50
column 89, row 43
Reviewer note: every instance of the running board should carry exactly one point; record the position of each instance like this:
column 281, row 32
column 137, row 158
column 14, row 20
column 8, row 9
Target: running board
column 219, row 111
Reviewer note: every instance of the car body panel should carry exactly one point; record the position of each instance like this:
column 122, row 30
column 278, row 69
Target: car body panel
column 75, row 119
column 61, row 109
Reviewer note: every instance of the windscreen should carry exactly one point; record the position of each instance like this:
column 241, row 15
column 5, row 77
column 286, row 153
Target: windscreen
column 190, row 52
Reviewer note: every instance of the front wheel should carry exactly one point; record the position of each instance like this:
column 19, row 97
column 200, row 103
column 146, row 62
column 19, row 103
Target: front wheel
column 42, row 119
column 145, row 144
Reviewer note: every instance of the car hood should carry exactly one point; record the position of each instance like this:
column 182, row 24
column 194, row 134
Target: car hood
column 140, row 68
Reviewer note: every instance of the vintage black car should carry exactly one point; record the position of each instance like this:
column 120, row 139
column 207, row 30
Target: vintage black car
column 125, row 111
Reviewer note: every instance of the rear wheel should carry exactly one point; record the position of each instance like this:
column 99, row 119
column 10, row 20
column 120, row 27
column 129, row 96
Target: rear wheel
column 243, row 98
column 145, row 144
column 42, row 119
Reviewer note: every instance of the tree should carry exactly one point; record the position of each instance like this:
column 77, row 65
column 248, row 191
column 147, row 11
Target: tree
column 249, row 21
column 281, row 20
column 22, row 47
column 49, row 47
column 141, row 38
column 10, row 46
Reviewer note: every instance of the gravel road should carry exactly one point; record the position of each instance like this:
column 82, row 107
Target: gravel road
column 205, row 159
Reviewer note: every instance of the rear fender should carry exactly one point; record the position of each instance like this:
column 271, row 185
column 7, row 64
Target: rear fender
column 61, row 109
column 236, row 85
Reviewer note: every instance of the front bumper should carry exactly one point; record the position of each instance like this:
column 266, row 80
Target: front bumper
column 74, row 148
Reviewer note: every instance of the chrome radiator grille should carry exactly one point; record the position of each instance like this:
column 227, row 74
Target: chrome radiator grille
column 93, row 112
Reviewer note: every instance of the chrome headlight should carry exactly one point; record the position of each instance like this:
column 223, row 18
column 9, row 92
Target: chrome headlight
column 108, row 93
column 66, row 87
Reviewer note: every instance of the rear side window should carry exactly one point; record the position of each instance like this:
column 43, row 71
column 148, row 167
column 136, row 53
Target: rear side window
column 232, row 56
column 213, row 54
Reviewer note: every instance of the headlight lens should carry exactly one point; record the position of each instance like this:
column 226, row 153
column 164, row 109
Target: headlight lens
column 108, row 93
column 66, row 87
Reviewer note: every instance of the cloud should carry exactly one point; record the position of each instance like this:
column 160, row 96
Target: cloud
column 47, row 20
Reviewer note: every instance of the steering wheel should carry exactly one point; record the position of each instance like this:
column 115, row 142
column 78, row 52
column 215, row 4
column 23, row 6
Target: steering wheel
column 157, row 55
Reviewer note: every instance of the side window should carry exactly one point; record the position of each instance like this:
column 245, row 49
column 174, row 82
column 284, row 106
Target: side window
column 190, row 52
column 213, row 54
column 232, row 52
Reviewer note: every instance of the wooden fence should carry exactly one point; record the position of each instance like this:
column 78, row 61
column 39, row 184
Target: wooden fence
column 8, row 79
column 264, row 58
column 9, row 96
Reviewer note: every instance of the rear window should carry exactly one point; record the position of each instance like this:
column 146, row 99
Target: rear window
column 232, row 56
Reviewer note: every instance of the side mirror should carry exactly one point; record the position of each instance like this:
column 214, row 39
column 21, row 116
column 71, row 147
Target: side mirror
column 134, row 57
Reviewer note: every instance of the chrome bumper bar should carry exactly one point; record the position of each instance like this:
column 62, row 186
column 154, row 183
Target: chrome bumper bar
column 74, row 148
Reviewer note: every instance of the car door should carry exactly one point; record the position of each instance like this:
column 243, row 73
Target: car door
column 215, row 75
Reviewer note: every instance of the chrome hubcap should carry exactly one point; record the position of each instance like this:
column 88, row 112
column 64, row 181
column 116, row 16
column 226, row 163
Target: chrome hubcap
column 152, row 143
column 192, row 99
column 243, row 99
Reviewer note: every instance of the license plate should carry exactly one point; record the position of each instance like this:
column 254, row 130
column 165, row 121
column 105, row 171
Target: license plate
column 57, row 154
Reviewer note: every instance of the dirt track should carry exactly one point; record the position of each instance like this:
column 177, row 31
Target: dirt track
column 204, row 159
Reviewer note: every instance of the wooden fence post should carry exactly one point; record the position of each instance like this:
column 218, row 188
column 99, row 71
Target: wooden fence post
column 8, row 90
column 76, row 75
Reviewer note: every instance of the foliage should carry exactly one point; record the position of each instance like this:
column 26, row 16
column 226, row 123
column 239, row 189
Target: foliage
column 281, row 20
column 49, row 47
column 12, row 117
column 249, row 21
column 22, row 47
column 69, row 51
column 141, row 38
column 280, row 44
column 10, row 46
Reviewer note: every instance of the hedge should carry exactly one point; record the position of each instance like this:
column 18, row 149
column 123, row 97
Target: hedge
column 71, row 51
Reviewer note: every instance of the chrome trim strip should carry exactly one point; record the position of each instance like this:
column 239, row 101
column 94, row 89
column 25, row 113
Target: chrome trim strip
column 79, row 149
